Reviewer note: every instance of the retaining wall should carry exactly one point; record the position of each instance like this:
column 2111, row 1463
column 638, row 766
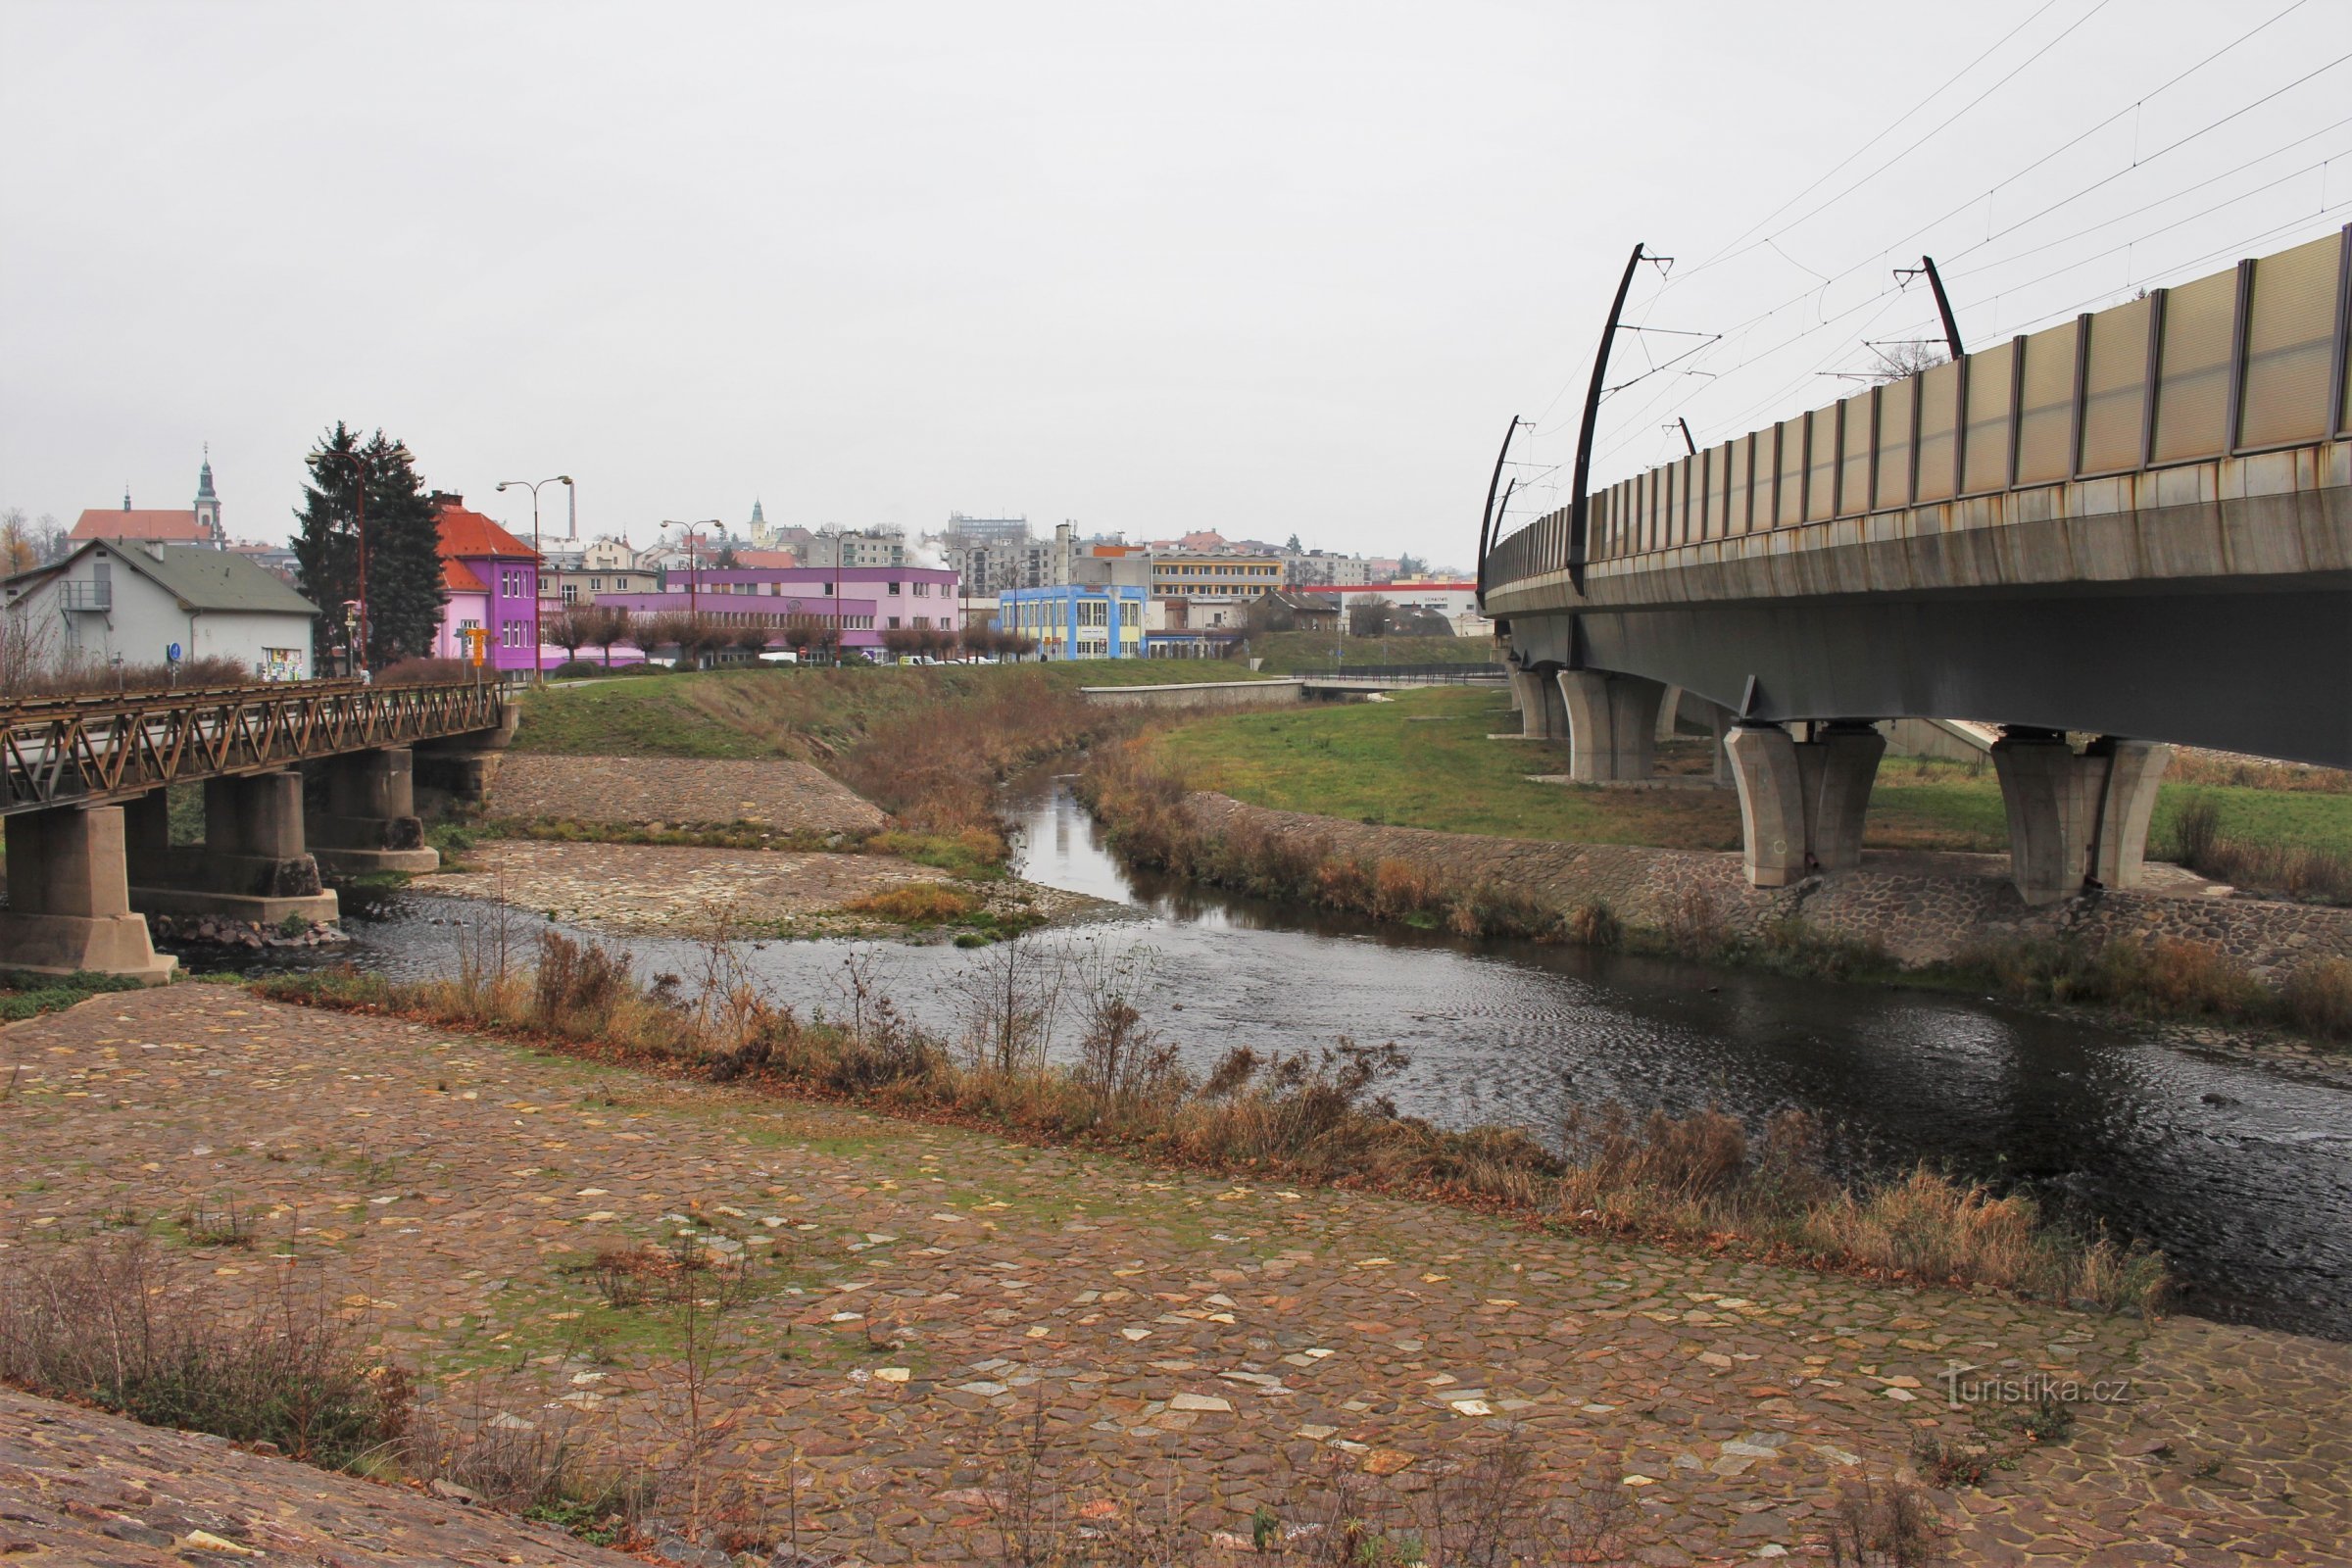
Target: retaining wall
column 1198, row 694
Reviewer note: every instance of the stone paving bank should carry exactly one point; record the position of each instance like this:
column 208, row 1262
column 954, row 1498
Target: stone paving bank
column 1921, row 907
column 932, row 1287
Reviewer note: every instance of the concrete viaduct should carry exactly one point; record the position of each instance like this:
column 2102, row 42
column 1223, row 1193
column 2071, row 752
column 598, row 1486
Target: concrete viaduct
column 89, row 842
column 2135, row 529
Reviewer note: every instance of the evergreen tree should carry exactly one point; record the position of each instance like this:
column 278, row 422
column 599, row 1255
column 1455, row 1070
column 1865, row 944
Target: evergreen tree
column 403, row 553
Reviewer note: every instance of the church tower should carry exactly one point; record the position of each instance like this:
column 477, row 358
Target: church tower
column 208, row 504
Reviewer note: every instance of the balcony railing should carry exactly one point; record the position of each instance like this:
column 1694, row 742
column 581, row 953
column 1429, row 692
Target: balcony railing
column 90, row 595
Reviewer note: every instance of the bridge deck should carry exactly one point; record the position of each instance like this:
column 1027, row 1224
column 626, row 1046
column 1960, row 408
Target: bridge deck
column 87, row 751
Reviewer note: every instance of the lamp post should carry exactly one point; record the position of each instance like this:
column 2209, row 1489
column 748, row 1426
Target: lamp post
column 532, row 485
column 686, row 537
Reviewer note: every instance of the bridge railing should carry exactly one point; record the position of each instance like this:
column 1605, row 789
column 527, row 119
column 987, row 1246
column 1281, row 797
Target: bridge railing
column 69, row 751
column 1420, row 674
column 2247, row 361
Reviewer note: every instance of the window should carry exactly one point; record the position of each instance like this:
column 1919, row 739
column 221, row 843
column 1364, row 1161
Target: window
column 894, row 589
column 922, row 590
column 922, row 622
column 572, row 592
column 894, row 623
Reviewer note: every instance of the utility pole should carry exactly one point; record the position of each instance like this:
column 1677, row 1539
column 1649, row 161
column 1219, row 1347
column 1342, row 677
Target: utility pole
column 538, row 561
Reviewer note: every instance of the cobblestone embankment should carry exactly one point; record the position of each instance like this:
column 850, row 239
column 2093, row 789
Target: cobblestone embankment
column 1225, row 1341
column 1922, row 908
column 82, row 1487
column 678, row 791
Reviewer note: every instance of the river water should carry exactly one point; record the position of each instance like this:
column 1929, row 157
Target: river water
column 2239, row 1166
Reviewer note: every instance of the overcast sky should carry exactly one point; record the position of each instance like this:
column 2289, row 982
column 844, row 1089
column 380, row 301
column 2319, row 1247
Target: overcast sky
column 1263, row 268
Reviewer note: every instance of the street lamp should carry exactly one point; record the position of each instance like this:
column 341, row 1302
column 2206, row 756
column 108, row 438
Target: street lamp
column 532, row 485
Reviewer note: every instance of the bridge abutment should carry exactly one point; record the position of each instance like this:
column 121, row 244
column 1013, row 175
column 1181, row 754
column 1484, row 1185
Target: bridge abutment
column 2075, row 817
column 253, row 865
column 369, row 822
column 1612, row 725
column 1803, row 803
column 68, row 896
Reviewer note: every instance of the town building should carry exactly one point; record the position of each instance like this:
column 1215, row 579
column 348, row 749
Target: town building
column 1217, row 578
column 494, row 588
column 1324, row 568
column 1274, row 610
column 200, row 524
column 863, row 601
column 1077, row 620
column 134, row 600
column 853, row 549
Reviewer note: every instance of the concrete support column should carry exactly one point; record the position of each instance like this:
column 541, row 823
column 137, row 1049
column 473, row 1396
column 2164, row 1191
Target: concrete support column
column 254, row 865
column 1839, row 764
column 1555, row 709
column 258, row 816
column 369, row 822
column 1537, row 720
column 2133, row 770
column 2052, row 797
column 147, row 829
column 1801, row 806
column 1612, row 725
column 68, row 898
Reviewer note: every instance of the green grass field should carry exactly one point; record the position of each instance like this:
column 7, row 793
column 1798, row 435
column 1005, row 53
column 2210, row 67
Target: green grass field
column 808, row 714
column 1424, row 760
column 1314, row 653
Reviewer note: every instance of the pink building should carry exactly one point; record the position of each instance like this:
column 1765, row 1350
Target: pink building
column 492, row 579
column 864, row 601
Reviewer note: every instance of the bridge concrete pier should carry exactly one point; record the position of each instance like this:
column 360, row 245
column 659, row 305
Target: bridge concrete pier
column 369, row 822
column 1542, row 713
column 68, row 898
column 2076, row 818
column 1803, row 803
column 1612, row 725
column 253, row 865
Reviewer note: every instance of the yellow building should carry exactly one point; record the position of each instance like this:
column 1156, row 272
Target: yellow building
column 1213, row 578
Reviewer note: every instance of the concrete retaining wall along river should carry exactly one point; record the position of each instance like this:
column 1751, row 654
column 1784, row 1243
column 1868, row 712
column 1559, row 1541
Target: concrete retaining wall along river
column 1198, row 694
column 1922, row 908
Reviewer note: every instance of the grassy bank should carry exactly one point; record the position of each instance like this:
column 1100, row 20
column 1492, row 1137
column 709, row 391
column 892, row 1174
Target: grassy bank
column 1139, row 790
column 1424, row 760
column 26, row 996
column 1319, row 1118
column 1318, row 652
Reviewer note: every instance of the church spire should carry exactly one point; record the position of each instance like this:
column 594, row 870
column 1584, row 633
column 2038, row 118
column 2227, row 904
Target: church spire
column 207, row 504
column 204, row 478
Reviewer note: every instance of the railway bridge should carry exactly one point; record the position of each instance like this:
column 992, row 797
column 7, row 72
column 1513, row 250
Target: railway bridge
column 82, row 783
column 2133, row 529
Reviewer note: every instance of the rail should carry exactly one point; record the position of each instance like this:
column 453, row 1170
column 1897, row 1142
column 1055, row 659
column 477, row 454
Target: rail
column 2247, row 361
column 80, row 751
column 1411, row 674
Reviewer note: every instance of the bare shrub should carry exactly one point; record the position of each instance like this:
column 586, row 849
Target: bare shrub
column 1008, row 997
column 112, row 1323
column 1593, row 925
column 2319, row 997
column 1885, row 1523
column 1694, row 923
column 537, row 1468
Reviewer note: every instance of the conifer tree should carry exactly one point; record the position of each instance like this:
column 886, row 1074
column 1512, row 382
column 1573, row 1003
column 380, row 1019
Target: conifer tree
column 405, row 595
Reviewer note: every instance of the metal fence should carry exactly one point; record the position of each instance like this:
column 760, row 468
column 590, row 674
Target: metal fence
column 1420, row 674
column 79, row 751
column 2251, row 360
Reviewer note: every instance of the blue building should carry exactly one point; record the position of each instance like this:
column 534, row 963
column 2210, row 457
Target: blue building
column 1077, row 621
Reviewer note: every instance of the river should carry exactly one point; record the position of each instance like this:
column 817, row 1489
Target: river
column 2238, row 1165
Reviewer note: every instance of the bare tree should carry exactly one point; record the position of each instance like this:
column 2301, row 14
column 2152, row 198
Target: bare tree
column 1908, row 357
column 1008, row 998
column 1369, row 616
column 611, row 626
column 569, row 628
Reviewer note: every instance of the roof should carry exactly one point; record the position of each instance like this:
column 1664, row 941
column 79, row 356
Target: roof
column 766, row 558
column 1299, row 603
column 122, row 524
column 459, row 578
column 469, row 535
column 204, row 579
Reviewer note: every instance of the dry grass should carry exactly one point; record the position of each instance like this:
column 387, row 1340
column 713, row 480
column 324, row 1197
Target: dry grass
column 916, row 904
column 113, row 1323
column 2292, row 870
column 36, row 678
column 1308, row 1118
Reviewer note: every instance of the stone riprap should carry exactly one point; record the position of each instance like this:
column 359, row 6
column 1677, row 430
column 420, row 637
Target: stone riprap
column 83, row 1488
column 685, row 890
column 1922, row 908
column 1235, row 1343
column 680, row 792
